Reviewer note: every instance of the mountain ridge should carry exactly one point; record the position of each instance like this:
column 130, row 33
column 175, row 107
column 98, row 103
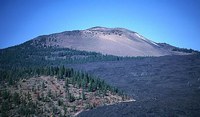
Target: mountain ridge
column 110, row 41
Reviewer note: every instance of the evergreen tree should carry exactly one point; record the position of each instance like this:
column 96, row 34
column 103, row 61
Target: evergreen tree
column 16, row 98
column 5, row 107
column 71, row 98
column 83, row 95
column 66, row 82
column 43, row 85
column 60, row 102
column 65, row 110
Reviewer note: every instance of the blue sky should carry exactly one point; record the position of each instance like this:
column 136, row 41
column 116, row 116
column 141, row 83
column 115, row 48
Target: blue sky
column 176, row 22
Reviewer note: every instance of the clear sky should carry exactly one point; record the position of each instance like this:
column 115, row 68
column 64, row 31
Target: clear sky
column 176, row 22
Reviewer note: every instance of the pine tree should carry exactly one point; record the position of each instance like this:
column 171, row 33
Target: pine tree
column 61, row 72
column 43, row 85
column 71, row 98
column 49, row 93
column 29, row 97
column 67, row 82
column 5, row 107
column 16, row 98
column 83, row 95
column 11, row 81
column 60, row 102
column 65, row 110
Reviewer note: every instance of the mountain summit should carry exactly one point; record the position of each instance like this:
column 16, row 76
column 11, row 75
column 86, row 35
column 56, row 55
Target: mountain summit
column 112, row 41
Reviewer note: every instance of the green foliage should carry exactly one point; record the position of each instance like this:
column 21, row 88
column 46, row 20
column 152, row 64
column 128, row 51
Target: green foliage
column 77, row 79
column 5, row 106
column 25, row 104
column 65, row 110
column 49, row 93
column 184, row 50
column 27, row 109
column 60, row 102
column 27, row 55
column 71, row 97
column 67, row 82
column 83, row 95
column 16, row 98
column 5, row 94
column 74, row 108
column 15, row 65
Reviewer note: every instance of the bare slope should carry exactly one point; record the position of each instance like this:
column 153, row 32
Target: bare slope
column 112, row 41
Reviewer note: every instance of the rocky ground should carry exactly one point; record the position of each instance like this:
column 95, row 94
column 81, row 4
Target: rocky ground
column 162, row 86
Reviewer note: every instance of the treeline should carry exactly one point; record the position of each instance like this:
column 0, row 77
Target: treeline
column 27, row 55
column 184, row 50
column 24, row 102
column 77, row 78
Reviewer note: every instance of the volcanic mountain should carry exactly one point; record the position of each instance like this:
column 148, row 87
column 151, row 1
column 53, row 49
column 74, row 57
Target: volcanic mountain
column 63, row 74
column 112, row 41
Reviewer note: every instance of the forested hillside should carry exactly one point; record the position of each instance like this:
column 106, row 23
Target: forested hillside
column 26, row 55
column 34, row 82
column 53, row 91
